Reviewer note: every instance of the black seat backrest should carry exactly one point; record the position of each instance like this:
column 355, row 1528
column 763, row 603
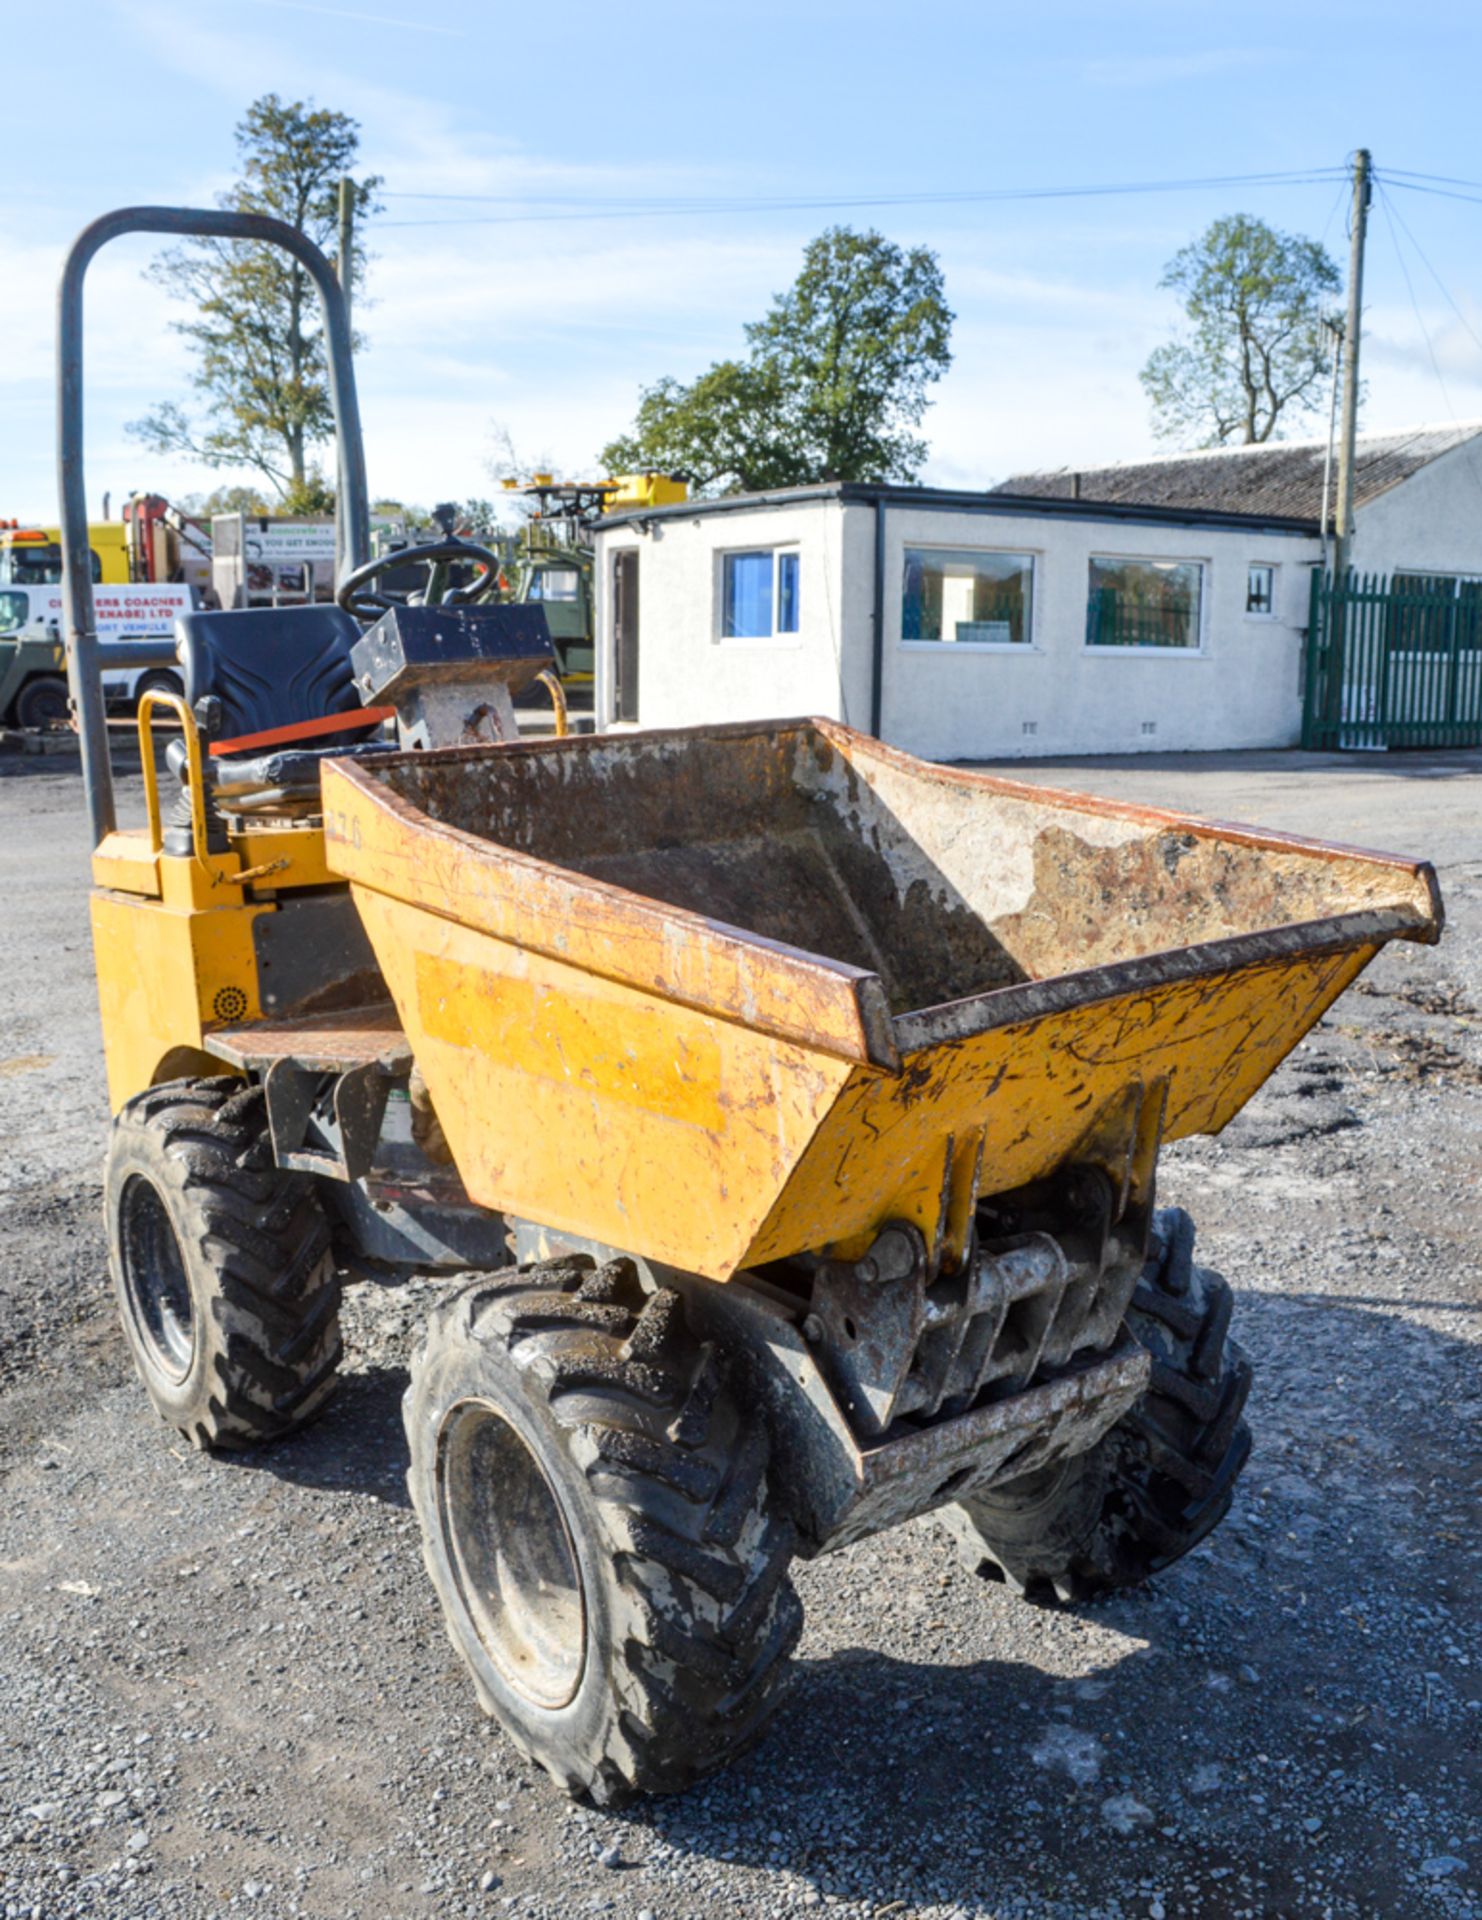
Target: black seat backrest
column 269, row 666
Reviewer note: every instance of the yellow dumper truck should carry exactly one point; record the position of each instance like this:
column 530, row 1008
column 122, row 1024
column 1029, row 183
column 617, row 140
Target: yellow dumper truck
column 783, row 1112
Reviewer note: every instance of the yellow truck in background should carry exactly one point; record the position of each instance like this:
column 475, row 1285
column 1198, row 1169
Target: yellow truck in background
column 32, row 556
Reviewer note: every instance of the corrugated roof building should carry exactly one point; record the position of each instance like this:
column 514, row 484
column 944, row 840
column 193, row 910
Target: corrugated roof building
column 1283, row 477
column 1153, row 604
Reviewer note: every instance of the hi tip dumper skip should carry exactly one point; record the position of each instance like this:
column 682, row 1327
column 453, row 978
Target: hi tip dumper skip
column 783, row 1113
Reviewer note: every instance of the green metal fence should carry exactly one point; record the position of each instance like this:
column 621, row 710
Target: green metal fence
column 1115, row 620
column 1393, row 662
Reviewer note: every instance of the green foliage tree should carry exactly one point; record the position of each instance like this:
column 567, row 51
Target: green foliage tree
column 836, row 377
column 256, row 333
column 226, row 499
column 1256, row 350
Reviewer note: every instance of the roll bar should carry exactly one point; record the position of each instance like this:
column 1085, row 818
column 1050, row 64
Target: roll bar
column 352, row 506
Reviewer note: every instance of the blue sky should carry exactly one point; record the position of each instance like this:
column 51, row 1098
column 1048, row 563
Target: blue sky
column 546, row 326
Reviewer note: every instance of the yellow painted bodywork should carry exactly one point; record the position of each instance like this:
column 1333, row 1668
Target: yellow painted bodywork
column 374, row 839
column 1028, row 1091
column 592, row 1106
column 626, row 491
column 629, row 1071
column 168, row 970
column 616, row 1114
column 172, row 933
column 124, row 861
column 172, row 941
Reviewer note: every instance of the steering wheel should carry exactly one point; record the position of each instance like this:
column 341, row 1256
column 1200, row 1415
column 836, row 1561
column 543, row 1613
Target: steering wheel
column 355, row 595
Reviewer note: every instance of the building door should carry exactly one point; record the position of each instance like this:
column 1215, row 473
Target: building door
column 625, row 634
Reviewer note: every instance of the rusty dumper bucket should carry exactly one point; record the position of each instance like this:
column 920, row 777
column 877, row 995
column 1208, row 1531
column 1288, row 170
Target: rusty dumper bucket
column 721, row 997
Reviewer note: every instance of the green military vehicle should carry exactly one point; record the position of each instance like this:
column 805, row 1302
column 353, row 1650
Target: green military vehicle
column 33, row 667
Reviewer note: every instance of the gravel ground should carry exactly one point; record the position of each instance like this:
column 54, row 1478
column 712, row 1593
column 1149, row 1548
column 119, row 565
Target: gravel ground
column 226, row 1688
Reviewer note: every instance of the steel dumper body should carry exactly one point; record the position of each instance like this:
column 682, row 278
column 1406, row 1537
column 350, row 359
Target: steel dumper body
column 726, row 996
column 752, row 997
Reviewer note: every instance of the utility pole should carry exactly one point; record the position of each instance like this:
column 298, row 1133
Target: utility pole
column 1358, row 226
column 1335, row 332
column 344, row 267
column 347, row 235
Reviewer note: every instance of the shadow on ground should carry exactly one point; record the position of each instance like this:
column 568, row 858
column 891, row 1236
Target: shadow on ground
column 357, row 1445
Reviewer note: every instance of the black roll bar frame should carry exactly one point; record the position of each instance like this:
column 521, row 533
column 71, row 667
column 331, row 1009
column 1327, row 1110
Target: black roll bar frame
column 352, row 505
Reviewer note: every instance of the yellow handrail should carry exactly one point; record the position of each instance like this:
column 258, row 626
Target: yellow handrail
column 151, row 698
column 558, row 700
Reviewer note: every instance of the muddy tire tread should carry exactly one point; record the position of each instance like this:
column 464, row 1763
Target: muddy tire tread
column 705, row 1617
column 272, row 1327
column 1162, row 1479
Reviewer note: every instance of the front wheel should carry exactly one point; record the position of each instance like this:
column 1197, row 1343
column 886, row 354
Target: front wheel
column 1162, row 1479
column 221, row 1263
column 43, row 702
column 599, row 1525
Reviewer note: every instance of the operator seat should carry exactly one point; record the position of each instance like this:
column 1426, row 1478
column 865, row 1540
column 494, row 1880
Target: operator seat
column 283, row 689
column 271, row 668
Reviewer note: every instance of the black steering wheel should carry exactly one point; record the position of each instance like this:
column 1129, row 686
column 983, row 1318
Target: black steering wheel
column 356, row 597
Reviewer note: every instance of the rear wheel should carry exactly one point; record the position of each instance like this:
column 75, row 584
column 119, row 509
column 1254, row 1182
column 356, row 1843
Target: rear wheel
column 43, row 702
column 1164, row 1476
column 221, row 1265
column 599, row 1526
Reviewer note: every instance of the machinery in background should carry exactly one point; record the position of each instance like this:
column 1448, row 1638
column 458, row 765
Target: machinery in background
column 32, row 556
column 552, row 562
column 271, row 560
column 167, row 545
column 137, row 592
column 33, row 666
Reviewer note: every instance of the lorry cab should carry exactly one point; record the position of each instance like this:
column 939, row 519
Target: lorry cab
column 32, row 556
column 33, row 665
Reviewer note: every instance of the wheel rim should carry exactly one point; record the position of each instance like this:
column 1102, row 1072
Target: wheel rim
column 511, row 1553
column 155, row 1281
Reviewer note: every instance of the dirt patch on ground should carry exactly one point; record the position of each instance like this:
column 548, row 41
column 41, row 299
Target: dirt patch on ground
column 1422, row 1057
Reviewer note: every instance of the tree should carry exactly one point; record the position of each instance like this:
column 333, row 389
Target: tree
column 836, row 376
column 507, row 464
column 259, row 347
column 1256, row 350
column 227, row 499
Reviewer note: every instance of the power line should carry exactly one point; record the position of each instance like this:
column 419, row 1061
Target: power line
column 1445, row 179
column 1445, row 290
column 1394, row 236
column 1333, row 210
column 995, row 193
column 574, row 209
column 1390, row 216
column 1441, row 193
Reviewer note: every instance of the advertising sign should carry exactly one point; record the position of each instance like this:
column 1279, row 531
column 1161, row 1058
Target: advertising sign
column 276, row 545
column 123, row 613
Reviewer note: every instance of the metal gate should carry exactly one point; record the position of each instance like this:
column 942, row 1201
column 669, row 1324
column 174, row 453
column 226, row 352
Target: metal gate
column 1393, row 662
